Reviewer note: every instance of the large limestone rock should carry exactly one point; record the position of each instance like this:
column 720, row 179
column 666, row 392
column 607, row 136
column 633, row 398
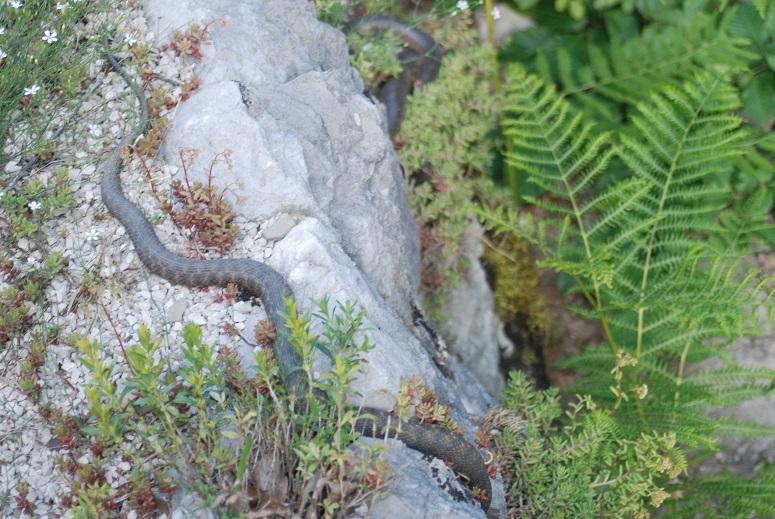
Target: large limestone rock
column 311, row 160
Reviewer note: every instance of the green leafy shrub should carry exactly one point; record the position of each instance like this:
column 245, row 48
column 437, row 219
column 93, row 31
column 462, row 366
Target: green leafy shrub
column 447, row 142
column 577, row 464
column 237, row 432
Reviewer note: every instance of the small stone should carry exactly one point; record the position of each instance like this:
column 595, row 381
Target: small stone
column 12, row 166
column 279, row 227
column 243, row 307
column 176, row 310
column 124, row 466
column 197, row 318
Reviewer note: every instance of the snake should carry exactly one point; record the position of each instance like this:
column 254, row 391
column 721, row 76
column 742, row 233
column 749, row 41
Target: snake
column 265, row 283
column 420, row 60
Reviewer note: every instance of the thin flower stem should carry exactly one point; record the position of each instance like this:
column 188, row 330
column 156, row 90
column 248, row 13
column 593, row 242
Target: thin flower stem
column 511, row 173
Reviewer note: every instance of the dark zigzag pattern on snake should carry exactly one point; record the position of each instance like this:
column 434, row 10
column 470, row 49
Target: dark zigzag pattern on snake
column 268, row 285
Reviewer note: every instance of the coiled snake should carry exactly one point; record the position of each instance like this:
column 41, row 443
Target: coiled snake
column 268, row 285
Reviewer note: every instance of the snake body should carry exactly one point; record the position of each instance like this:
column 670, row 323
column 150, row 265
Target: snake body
column 262, row 281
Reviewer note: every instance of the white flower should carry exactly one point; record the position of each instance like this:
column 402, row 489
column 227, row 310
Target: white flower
column 34, row 205
column 93, row 235
column 462, row 5
column 496, row 13
column 31, row 91
column 2, row 31
column 95, row 130
column 61, row 7
column 3, row 54
column 130, row 40
column 49, row 36
column 15, row 4
column 2, row 194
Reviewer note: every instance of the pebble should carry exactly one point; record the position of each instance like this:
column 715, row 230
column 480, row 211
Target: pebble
column 277, row 228
column 177, row 309
column 12, row 166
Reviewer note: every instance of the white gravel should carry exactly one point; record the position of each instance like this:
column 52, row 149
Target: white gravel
column 93, row 241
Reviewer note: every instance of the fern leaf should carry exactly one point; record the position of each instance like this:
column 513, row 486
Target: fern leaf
column 625, row 72
column 564, row 157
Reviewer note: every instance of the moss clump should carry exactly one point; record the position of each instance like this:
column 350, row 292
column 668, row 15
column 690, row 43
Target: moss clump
column 516, row 284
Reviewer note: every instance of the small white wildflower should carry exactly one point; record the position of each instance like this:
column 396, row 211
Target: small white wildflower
column 2, row 194
column 462, row 5
column 31, row 91
column 61, row 6
column 496, row 13
column 49, row 36
column 3, row 54
column 130, row 40
column 2, row 31
column 93, row 235
column 15, row 4
column 95, row 130
column 34, row 205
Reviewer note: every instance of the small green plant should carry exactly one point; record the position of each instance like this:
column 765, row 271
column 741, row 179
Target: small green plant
column 189, row 42
column 201, row 208
column 375, row 56
column 576, row 463
column 22, row 503
column 15, row 317
column 33, row 204
column 238, row 431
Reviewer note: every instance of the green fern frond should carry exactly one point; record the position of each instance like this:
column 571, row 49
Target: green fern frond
column 562, row 156
column 625, row 72
column 731, row 375
column 731, row 427
column 735, row 496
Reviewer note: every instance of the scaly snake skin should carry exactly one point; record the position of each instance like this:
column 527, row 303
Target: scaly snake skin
column 268, row 285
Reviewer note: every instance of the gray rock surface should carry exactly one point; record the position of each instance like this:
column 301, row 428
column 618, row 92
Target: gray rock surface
column 474, row 331
column 410, row 496
column 743, row 456
column 308, row 150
